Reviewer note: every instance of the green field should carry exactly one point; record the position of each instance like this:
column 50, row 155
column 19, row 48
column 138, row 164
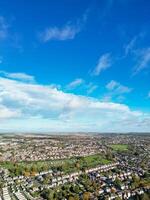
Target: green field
column 119, row 147
column 65, row 165
column 94, row 160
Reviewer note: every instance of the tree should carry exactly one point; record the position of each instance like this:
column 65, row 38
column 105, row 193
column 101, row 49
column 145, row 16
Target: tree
column 117, row 182
column 109, row 155
column 77, row 165
column 71, row 198
column 86, row 195
column 145, row 197
column 26, row 173
column 136, row 181
column 48, row 194
column 47, row 178
column 1, row 185
column 117, row 198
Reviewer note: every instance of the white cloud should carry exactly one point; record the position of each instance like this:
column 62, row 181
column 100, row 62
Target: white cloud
column 76, row 83
column 117, row 87
column 141, row 56
column 91, row 88
column 27, row 106
column 18, row 76
column 130, row 46
column 3, row 28
column 111, row 85
column 66, row 32
column 104, row 62
column 143, row 60
column 6, row 113
column 7, row 34
column 82, row 85
column 116, row 91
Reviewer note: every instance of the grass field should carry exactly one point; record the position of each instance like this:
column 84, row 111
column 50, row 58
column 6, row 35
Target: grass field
column 67, row 165
column 94, row 160
column 119, row 147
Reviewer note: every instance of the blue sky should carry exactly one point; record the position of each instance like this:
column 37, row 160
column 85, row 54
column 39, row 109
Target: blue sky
column 75, row 65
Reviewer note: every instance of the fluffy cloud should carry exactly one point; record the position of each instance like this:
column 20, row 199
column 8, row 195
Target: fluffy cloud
column 31, row 106
column 77, row 82
column 116, row 87
column 141, row 56
column 6, row 113
column 104, row 62
column 130, row 46
column 83, row 85
column 18, row 76
column 66, row 32
column 116, row 91
column 143, row 60
column 91, row 87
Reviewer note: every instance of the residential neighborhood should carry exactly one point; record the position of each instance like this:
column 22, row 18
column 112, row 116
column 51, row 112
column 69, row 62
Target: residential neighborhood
column 79, row 166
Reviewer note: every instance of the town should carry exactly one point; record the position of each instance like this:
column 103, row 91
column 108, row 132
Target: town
column 75, row 166
column 75, row 100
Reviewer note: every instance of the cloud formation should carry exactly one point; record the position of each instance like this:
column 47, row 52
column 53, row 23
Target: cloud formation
column 117, row 87
column 18, row 76
column 3, row 28
column 79, row 83
column 116, row 91
column 91, row 87
column 143, row 60
column 31, row 106
column 104, row 63
column 74, row 84
column 130, row 46
column 65, row 32
column 141, row 56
